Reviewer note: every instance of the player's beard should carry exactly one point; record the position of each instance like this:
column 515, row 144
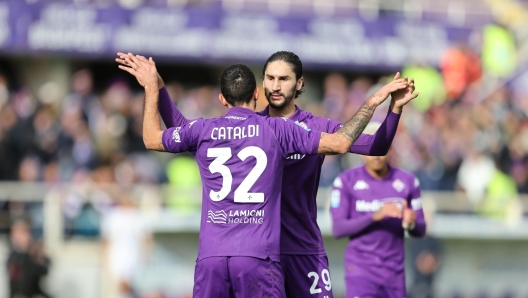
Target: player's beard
column 286, row 98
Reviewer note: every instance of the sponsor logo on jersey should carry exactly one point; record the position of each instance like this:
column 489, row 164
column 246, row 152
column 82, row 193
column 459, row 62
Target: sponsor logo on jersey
column 235, row 117
column 338, row 183
column 335, row 200
column 303, row 125
column 398, row 185
column 236, row 217
column 375, row 205
column 296, row 156
column 361, row 185
column 176, row 134
column 218, row 217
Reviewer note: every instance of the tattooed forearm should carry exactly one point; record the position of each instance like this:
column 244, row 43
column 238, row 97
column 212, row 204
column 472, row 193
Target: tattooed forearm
column 353, row 128
column 340, row 141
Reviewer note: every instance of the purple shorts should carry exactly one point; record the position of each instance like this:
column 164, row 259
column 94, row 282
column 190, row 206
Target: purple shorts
column 306, row 276
column 362, row 287
column 223, row 277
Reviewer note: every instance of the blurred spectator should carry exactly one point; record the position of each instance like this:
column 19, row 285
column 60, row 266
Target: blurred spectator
column 126, row 245
column 501, row 201
column 499, row 53
column 27, row 263
column 185, row 184
column 475, row 174
column 460, row 67
column 429, row 83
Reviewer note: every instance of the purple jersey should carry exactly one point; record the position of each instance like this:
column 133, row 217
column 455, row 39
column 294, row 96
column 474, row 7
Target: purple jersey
column 376, row 249
column 300, row 233
column 241, row 158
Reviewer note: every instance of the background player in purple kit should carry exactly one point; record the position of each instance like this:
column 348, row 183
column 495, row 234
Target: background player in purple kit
column 374, row 205
column 303, row 257
column 239, row 239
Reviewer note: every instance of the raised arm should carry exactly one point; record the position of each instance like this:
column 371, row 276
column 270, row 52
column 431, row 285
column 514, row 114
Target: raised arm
column 341, row 141
column 170, row 114
column 379, row 143
column 413, row 216
column 145, row 72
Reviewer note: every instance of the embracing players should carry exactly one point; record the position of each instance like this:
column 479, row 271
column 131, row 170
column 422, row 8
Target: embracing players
column 241, row 158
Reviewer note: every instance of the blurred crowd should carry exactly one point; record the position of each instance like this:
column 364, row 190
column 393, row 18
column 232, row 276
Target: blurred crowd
column 466, row 126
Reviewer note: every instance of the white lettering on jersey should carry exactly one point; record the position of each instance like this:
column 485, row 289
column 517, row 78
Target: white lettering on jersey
column 361, row 185
column 338, row 183
column 296, row 156
column 235, row 133
column 335, row 200
column 235, row 118
column 366, row 206
column 398, row 185
column 176, row 134
column 416, row 204
column 375, row 205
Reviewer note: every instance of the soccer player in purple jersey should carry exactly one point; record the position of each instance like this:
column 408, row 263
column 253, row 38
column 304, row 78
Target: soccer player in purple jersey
column 374, row 205
column 241, row 158
column 303, row 258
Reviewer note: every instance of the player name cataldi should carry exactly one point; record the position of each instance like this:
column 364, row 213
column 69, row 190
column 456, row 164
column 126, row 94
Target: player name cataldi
column 234, row 133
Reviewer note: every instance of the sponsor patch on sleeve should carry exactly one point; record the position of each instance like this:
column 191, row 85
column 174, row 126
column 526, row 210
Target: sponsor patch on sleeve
column 416, row 204
column 176, row 134
column 335, row 201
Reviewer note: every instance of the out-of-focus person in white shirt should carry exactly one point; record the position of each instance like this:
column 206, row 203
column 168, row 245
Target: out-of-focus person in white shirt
column 126, row 242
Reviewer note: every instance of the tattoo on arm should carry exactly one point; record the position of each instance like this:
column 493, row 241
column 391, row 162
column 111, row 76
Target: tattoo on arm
column 353, row 128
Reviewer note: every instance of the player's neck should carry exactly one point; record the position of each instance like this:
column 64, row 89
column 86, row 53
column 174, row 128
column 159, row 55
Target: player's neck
column 285, row 112
column 378, row 174
column 249, row 106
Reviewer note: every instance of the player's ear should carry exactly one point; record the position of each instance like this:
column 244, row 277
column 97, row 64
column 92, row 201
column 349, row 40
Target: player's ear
column 300, row 83
column 222, row 99
column 256, row 94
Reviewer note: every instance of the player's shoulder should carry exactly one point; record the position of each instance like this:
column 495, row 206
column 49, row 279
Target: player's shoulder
column 347, row 176
column 407, row 176
column 312, row 121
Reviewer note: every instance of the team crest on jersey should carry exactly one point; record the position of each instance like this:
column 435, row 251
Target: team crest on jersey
column 361, row 185
column 303, row 125
column 176, row 134
column 398, row 185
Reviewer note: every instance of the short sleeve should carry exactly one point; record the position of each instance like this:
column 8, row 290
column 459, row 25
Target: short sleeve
column 293, row 138
column 183, row 138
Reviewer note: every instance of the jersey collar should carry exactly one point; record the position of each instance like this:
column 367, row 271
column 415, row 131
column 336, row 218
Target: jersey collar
column 239, row 111
column 293, row 117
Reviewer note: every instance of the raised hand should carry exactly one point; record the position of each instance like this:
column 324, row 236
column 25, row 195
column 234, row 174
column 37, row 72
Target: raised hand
column 388, row 210
column 401, row 97
column 140, row 67
column 382, row 94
